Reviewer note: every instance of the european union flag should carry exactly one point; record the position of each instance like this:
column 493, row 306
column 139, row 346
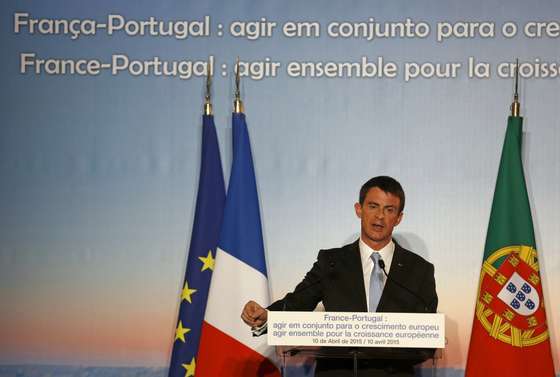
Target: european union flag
column 200, row 264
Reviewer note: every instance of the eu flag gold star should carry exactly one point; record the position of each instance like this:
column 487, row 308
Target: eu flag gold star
column 208, row 261
column 187, row 292
column 189, row 368
column 181, row 331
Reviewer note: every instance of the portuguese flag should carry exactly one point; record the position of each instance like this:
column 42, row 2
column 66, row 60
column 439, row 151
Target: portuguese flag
column 510, row 336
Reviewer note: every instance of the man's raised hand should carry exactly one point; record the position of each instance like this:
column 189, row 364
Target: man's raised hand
column 254, row 315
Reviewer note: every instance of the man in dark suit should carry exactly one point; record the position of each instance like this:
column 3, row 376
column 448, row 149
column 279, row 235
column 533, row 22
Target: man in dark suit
column 351, row 279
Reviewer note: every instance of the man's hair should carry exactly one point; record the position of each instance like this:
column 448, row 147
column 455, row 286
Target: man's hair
column 386, row 184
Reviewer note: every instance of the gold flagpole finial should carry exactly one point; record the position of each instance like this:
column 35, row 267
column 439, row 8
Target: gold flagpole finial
column 515, row 105
column 208, row 95
column 237, row 103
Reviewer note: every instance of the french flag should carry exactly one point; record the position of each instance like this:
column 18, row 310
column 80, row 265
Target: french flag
column 227, row 347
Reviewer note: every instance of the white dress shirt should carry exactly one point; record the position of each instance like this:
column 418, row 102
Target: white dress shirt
column 386, row 254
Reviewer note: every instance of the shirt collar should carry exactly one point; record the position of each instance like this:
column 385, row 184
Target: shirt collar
column 386, row 252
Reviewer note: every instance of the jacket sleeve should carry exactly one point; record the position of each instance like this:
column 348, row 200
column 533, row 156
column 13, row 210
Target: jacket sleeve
column 307, row 294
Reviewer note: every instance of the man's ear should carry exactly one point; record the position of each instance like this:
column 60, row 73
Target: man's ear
column 399, row 219
column 358, row 209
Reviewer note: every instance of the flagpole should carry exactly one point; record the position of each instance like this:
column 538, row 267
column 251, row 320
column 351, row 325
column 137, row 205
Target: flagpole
column 227, row 347
column 208, row 95
column 208, row 214
column 510, row 336
column 515, row 105
column 237, row 103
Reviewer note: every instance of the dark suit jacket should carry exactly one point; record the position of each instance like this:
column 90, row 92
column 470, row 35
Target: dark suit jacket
column 336, row 279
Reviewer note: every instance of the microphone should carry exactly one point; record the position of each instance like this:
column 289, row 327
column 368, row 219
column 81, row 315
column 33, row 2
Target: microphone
column 382, row 265
column 417, row 296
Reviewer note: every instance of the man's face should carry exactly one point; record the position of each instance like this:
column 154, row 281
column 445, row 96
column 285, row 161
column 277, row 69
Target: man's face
column 379, row 215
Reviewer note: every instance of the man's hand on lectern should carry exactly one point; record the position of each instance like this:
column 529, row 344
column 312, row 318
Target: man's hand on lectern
column 254, row 315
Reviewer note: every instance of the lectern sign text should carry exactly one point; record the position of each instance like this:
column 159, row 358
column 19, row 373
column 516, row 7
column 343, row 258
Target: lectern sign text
column 344, row 329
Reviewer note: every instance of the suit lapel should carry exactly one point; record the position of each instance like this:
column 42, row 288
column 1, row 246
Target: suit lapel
column 355, row 275
column 395, row 273
column 398, row 267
